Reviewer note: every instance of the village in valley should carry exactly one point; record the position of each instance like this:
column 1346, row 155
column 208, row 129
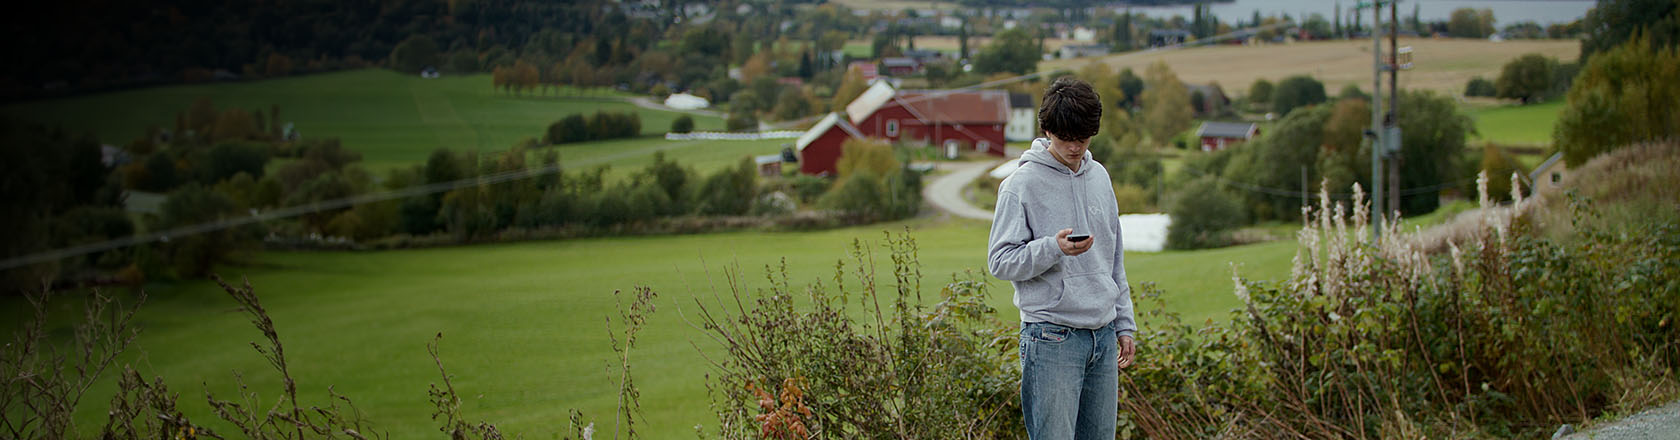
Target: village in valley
column 769, row 219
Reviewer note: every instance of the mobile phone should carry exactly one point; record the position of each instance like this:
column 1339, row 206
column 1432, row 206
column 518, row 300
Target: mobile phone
column 1079, row 237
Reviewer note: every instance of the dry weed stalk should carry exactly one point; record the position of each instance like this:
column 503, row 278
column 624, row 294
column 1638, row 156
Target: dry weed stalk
column 42, row 384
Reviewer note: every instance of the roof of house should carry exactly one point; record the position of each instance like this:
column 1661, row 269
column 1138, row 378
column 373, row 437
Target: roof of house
column 1556, row 159
column 967, row 107
column 871, row 100
column 898, row 62
column 1020, row 100
column 1242, row 130
column 827, row 122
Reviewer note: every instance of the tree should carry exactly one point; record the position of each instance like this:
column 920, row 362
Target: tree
column 1260, row 93
column 1612, row 22
column 1166, row 103
column 414, row 53
column 1434, row 136
column 194, row 254
column 1471, row 23
column 1131, row 86
column 235, row 124
column 858, row 155
column 791, row 104
column 1296, row 91
column 1011, row 51
column 1274, row 161
column 1526, row 78
column 851, row 87
column 1202, row 213
column 1343, row 157
column 1624, row 95
column 228, row 159
column 741, row 121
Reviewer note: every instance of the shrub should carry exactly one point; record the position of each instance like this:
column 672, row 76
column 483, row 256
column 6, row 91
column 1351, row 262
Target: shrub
column 1480, row 86
column 683, row 124
column 741, row 121
column 730, row 191
column 1131, row 199
column 800, row 365
column 808, row 188
column 1202, row 213
column 1260, row 93
column 858, row 155
column 860, row 194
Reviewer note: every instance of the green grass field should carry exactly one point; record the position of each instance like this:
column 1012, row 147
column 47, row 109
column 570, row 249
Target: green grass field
column 392, row 118
column 524, row 323
column 1518, row 125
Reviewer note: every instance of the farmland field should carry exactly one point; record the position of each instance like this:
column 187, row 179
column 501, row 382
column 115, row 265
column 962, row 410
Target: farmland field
column 1443, row 65
column 524, row 324
column 391, row 118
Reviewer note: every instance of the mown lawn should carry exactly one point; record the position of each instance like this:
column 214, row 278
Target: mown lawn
column 524, row 324
column 392, row 118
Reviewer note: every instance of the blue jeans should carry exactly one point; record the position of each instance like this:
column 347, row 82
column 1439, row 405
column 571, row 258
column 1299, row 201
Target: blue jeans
column 1069, row 382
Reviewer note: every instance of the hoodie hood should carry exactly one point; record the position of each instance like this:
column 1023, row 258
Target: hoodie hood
column 1040, row 154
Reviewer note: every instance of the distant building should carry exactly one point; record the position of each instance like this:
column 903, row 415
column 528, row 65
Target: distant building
column 1214, row 99
column 1082, row 50
column 1168, row 37
column 900, row 66
column 1023, row 118
column 1218, row 136
column 869, row 70
column 1084, row 34
column 949, row 119
column 1548, row 177
column 819, row 148
column 769, row 165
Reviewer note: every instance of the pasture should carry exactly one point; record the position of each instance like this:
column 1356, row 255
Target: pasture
column 1518, row 124
column 524, row 324
column 393, row 119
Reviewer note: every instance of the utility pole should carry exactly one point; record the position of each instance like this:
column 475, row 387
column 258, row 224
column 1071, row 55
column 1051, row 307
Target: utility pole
column 1377, row 145
column 1392, row 133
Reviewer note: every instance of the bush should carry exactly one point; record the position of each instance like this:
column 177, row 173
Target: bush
column 602, row 125
column 1480, row 86
column 860, row 194
column 859, row 155
column 1509, row 337
column 1202, row 213
column 741, row 121
column 1261, row 92
column 808, row 188
column 683, row 124
column 730, row 191
column 228, row 159
column 800, row 365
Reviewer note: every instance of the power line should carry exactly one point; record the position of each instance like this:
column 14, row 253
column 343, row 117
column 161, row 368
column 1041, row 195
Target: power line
column 1314, row 195
column 282, row 213
column 294, row 211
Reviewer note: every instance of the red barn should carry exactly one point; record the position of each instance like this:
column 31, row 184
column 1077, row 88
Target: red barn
column 819, row 148
column 1221, row 135
column 965, row 119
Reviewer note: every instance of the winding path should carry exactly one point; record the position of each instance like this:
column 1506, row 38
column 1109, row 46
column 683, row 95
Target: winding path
column 945, row 192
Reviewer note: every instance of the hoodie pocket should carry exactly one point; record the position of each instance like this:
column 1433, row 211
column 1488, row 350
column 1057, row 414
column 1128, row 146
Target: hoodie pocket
column 1091, row 294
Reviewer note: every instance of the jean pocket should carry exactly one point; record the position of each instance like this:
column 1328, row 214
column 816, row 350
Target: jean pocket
column 1048, row 333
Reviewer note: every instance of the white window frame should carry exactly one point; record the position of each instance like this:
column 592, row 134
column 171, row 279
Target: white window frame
column 892, row 127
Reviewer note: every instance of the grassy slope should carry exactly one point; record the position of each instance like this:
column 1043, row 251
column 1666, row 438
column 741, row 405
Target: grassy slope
column 524, row 323
column 391, row 118
column 1518, row 125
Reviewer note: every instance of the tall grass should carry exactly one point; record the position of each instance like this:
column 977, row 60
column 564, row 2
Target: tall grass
column 1506, row 333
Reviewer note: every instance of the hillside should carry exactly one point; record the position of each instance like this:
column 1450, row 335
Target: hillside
column 1443, row 65
column 391, row 118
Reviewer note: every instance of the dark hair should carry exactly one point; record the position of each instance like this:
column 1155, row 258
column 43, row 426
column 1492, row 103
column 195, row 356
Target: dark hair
column 1071, row 110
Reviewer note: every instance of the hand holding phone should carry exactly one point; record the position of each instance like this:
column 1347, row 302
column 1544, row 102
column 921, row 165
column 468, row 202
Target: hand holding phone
column 1079, row 237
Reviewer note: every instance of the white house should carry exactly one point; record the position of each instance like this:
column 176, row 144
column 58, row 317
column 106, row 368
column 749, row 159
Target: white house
column 1023, row 118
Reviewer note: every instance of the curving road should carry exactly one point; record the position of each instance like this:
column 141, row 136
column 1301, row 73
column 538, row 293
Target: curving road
column 945, row 192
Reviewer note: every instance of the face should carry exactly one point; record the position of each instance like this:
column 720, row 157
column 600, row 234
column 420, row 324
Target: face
column 1068, row 152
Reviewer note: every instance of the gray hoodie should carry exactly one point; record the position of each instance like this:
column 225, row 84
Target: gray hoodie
column 1042, row 197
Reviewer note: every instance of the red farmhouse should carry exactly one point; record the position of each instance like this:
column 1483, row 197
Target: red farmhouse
column 967, row 119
